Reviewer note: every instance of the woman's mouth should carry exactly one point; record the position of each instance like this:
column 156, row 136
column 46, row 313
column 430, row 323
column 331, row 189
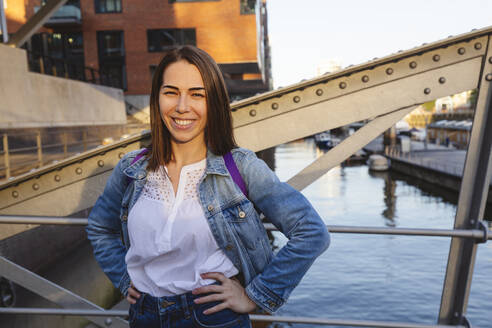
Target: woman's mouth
column 182, row 124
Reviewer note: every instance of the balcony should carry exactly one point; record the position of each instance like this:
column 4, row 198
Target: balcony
column 67, row 15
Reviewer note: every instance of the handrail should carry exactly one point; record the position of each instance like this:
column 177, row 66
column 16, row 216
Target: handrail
column 483, row 233
column 253, row 317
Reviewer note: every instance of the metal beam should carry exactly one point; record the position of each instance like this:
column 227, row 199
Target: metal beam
column 471, row 203
column 35, row 22
column 346, row 148
column 481, row 235
column 399, row 81
column 53, row 292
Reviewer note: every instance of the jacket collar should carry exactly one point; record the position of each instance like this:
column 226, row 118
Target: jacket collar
column 137, row 170
column 215, row 165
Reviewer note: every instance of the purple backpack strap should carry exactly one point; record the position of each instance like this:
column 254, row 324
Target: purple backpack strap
column 140, row 155
column 234, row 172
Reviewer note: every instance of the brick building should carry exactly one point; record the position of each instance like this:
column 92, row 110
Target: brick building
column 127, row 38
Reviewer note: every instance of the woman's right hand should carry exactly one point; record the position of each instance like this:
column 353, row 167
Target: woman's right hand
column 133, row 294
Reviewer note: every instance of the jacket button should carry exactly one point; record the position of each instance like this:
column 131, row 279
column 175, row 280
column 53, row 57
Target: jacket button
column 229, row 247
column 210, row 208
column 124, row 217
column 242, row 215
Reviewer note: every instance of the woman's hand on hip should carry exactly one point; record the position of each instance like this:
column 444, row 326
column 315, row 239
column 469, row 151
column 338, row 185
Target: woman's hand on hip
column 230, row 292
column 133, row 294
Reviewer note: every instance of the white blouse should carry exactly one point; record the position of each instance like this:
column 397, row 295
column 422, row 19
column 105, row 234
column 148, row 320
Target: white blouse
column 171, row 242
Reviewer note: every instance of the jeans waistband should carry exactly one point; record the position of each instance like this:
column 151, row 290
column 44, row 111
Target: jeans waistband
column 167, row 304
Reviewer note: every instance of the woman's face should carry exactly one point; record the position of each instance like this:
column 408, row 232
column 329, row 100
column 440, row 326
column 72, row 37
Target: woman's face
column 183, row 103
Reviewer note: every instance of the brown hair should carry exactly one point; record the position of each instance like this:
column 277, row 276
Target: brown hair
column 219, row 137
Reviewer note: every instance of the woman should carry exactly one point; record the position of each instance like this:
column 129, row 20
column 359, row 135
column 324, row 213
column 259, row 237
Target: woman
column 194, row 251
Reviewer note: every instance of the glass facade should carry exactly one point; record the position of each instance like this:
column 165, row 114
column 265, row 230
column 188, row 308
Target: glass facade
column 163, row 39
column 111, row 51
column 247, row 7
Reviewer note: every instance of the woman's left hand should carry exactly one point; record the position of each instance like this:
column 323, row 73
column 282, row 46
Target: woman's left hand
column 230, row 292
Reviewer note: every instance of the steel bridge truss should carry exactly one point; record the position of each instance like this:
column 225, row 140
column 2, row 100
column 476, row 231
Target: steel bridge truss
column 381, row 92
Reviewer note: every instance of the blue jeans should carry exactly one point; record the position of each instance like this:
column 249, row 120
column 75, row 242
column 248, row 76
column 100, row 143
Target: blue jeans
column 181, row 311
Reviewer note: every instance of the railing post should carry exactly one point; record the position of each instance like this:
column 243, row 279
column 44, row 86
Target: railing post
column 6, row 155
column 41, row 65
column 471, row 204
column 40, row 149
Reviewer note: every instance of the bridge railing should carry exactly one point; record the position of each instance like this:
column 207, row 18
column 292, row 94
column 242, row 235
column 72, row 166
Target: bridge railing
column 113, row 318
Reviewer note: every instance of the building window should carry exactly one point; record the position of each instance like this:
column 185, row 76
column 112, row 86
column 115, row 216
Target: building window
column 161, row 40
column 247, row 6
column 107, row 6
column 111, row 50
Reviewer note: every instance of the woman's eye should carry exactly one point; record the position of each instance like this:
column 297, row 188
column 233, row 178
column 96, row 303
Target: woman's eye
column 170, row 93
column 198, row 95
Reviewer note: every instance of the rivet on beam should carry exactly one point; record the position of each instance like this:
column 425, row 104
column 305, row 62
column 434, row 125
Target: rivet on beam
column 297, row 99
column 35, row 186
column 275, row 106
column 15, row 194
column 488, row 77
column 319, row 92
column 252, row 112
column 442, row 80
column 57, row 178
column 342, row 85
column 461, row 51
column 120, row 155
column 427, row 91
column 413, row 64
column 100, row 163
column 365, row 79
column 389, row 71
column 78, row 170
column 436, row 58
column 478, row 46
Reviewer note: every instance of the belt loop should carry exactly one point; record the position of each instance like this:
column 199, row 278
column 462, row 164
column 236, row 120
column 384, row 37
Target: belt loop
column 184, row 305
column 140, row 305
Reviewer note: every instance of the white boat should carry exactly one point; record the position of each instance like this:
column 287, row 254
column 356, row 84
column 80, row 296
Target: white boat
column 378, row 163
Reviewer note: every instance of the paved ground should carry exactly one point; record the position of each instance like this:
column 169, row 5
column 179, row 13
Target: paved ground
column 435, row 157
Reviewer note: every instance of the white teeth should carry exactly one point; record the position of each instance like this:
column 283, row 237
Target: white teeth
column 183, row 122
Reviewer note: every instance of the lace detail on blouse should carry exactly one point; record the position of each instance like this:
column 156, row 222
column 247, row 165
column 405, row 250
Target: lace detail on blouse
column 191, row 186
column 159, row 187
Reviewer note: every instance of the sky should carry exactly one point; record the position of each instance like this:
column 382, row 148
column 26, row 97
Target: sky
column 307, row 33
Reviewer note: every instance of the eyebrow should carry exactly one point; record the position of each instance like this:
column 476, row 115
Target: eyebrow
column 176, row 88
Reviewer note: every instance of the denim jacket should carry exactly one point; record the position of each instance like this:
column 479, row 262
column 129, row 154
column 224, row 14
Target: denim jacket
column 233, row 220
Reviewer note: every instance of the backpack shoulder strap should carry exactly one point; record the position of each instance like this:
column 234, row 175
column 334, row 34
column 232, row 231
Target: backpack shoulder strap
column 234, row 172
column 140, row 155
column 143, row 152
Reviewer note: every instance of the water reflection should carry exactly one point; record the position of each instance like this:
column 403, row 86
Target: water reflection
column 389, row 192
column 372, row 277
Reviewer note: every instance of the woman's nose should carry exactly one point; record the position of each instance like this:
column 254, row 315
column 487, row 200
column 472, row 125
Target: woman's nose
column 182, row 106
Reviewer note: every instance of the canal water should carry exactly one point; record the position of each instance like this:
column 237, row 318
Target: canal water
column 378, row 277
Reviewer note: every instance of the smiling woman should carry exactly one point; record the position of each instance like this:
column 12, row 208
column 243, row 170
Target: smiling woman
column 182, row 102
column 195, row 252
